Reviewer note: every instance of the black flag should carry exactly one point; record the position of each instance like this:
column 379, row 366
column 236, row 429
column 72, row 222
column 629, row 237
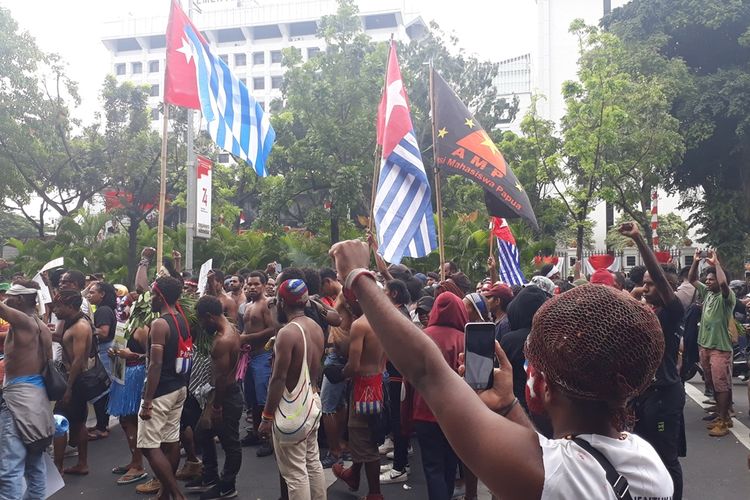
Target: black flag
column 463, row 147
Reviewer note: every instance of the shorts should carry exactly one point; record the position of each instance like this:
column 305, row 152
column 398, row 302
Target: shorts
column 77, row 411
column 333, row 396
column 717, row 368
column 361, row 443
column 191, row 413
column 164, row 424
column 259, row 374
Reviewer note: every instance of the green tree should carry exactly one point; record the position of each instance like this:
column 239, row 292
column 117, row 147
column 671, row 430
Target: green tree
column 673, row 232
column 711, row 39
column 40, row 155
column 616, row 139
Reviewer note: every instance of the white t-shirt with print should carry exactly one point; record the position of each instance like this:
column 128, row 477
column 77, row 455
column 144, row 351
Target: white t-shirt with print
column 571, row 473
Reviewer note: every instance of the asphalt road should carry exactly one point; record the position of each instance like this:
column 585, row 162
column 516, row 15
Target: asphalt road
column 714, row 468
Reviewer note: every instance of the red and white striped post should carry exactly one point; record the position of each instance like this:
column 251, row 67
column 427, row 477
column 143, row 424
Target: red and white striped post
column 655, row 219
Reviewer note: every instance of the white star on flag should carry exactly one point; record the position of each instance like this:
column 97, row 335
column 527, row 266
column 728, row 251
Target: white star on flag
column 186, row 49
column 395, row 98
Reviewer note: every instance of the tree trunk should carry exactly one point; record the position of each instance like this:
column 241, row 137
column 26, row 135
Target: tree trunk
column 335, row 236
column 132, row 251
column 580, row 237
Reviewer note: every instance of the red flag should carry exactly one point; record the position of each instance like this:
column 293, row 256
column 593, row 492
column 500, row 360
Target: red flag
column 501, row 230
column 394, row 108
column 180, row 80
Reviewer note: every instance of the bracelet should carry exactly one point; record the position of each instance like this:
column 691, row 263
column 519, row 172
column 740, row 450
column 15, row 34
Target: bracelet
column 507, row 409
column 350, row 281
column 266, row 417
column 144, row 262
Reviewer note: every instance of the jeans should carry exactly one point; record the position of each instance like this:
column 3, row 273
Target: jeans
column 659, row 420
column 228, row 432
column 400, row 441
column 333, row 396
column 17, row 462
column 257, row 376
column 438, row 460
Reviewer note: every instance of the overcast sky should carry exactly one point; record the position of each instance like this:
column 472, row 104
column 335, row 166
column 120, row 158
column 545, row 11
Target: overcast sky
column 492, row 29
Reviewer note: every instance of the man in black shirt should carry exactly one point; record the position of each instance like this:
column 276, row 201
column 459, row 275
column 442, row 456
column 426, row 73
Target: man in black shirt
column 166, row 389
column 658, row 410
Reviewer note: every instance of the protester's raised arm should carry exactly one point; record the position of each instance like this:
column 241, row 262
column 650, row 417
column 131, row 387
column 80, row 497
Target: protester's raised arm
column 516, row 475
column 630, row 230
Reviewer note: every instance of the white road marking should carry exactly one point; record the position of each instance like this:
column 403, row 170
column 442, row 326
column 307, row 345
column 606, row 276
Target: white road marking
column 740, row 430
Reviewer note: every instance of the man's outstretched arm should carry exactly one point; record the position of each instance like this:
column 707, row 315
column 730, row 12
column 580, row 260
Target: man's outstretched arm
column 516, row 475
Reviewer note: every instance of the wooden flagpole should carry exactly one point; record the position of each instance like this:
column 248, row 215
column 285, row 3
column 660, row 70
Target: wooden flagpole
column 438, row 195
column 162, row 190
column 492, row 240
column 378, row 151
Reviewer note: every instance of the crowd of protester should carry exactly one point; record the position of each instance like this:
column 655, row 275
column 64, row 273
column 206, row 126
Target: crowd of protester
column 369, row 363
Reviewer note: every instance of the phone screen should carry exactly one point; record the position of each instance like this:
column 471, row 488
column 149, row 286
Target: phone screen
column 479, row 347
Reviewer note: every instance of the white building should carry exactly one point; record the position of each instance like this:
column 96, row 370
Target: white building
column 249, row 36
column 514, row 81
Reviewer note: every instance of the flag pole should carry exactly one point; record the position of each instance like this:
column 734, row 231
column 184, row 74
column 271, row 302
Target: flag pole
column 492, row 239
column 162, row 189
column 378, row 151
column 438, row 198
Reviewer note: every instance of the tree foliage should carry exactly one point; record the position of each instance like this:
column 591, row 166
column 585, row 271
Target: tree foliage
column 710, row 41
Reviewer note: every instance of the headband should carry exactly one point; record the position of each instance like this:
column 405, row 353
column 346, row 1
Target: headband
column 479, row 305
column 17, row 289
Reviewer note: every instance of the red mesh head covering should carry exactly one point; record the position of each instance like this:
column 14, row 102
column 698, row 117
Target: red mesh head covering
column 448, row 286
column 596, row 343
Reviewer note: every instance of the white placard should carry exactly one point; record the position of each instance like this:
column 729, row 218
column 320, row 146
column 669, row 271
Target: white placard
column 58, row 262
column 203, row 194
column 119, row 366
column 44, row 295
column 203, row 276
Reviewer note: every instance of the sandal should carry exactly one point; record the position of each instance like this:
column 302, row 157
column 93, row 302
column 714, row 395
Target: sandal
column 132, row 477
column 120, row 470
column 96, row 435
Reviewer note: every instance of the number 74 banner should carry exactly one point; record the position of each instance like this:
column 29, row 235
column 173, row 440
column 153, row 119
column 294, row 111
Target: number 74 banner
column 203, row 192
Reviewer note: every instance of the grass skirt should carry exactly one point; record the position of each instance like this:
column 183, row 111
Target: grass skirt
column 125, row 399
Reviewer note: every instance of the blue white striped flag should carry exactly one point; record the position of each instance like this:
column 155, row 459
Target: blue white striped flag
column 403, row 206
column 509, row 268
column 236, row 122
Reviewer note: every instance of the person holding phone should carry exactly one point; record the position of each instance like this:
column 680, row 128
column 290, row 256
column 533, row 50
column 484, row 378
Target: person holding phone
column 583, row 388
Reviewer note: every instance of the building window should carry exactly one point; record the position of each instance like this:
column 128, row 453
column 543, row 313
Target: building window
column 155, row 114
column 630, row 260
column 120, row 69
column 153, row 66
column 240, row 59
column 136, row 68
column 276, row 82
column 312, row 52
column 224, row 58
column 223, row 158
column 688, row 260
column 275, row 56
column 259, row 83
column 259, row 58
column 154, row 90
column 572, row 262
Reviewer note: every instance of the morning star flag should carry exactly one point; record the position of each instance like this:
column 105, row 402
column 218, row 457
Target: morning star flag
column 463, row 147
column 196, row 78
column 509, row 269
column 403, row 209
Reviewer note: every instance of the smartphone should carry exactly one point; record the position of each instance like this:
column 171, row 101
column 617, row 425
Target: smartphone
column 704, row 254
column 479, row 354
column 278, row 268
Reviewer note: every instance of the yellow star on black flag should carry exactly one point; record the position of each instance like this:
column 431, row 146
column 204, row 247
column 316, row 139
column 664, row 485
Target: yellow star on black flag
column 466, row 149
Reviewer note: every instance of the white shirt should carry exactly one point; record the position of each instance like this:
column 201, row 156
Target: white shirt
column 571, row 473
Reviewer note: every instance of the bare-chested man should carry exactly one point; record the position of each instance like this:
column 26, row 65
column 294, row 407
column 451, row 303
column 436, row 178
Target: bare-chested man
column 298, row 344
column 28, row 345
column 259, row 327
column 75, row 334
column 226, row 407
column 235, row 290
column 365, row 365
column 215, row 287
